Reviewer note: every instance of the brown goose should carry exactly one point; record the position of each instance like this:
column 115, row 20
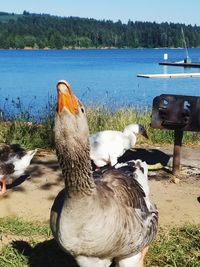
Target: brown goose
column 97, row 220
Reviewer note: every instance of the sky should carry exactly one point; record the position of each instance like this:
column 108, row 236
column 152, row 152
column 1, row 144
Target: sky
column 177, row 11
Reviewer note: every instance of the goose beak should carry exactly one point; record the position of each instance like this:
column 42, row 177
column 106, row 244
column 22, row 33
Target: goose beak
column 66, row 98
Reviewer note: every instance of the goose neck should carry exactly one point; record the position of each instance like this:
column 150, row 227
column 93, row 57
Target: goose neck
column 76, row 169
column 131, row 137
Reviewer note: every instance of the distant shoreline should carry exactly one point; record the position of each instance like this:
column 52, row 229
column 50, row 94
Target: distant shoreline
column 97, row 48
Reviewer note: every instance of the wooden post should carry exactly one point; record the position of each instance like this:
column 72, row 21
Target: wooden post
column 178, row 136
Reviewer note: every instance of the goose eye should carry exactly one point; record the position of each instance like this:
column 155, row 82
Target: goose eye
column 82, row 109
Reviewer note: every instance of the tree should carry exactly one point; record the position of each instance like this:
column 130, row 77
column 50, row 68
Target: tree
column 56, row 32
column 26, row 13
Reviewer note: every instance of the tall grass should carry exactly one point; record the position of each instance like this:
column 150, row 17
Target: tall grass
column 15, row 125
column 25, row 125
column 103, row 118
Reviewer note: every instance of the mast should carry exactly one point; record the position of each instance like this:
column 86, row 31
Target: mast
column 184, row 42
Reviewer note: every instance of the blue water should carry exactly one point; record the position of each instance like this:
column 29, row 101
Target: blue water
column 107, row 76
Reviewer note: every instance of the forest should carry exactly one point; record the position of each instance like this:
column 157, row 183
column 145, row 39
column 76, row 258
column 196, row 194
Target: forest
column 41, row 31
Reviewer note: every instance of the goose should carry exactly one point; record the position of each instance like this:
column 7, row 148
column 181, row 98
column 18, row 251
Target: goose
column 98, row 219
column 12, row 164
column 106, row 146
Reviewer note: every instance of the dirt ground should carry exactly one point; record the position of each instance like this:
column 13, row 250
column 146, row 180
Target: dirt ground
column 178, row 200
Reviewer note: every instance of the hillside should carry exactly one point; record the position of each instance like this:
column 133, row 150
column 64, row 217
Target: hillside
column 5, row 17
column 43, row 30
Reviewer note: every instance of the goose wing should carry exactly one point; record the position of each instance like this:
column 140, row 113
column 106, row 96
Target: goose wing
column 122, row 184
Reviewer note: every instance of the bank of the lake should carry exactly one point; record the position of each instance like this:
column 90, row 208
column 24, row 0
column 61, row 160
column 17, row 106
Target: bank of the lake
column 32, row 134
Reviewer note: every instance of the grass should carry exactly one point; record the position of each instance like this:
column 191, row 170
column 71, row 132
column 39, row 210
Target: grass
column 174, row 247
column 15, row 226
column 14, row 126
column 177, row 247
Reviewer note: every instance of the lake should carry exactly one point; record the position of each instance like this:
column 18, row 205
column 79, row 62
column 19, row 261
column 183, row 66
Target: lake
column 97, row 76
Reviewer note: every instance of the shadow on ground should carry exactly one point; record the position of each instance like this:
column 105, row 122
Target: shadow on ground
column 44, row 254
column 18, row 181
column 151, row 156
column 40, row 167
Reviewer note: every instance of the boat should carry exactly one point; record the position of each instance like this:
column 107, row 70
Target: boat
column 180, row 64
column 187, row 62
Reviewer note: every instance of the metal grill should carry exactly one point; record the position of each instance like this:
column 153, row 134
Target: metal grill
column 179, row 113
column 176, row 112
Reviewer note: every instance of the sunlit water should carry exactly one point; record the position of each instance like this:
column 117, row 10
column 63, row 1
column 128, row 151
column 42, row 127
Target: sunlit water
column 107, row 77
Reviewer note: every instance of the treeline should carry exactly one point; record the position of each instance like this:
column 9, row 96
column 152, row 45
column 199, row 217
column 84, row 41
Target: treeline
column 46, row 31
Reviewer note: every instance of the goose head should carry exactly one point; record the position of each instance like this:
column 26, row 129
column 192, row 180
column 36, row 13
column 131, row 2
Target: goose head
column 70, row 121
column 136, row 129
column 133, row 130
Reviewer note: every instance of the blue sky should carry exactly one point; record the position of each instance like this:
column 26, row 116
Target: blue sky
column 183, row 11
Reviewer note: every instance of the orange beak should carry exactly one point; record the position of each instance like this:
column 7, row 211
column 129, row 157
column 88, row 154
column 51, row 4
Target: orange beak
column 66, row 98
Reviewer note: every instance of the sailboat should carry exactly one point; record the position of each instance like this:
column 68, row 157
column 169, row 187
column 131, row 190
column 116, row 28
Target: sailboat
column 187, row 62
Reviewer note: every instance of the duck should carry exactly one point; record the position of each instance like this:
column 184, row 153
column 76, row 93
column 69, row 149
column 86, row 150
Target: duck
column 98, row 219
column 107, row 146
column 12, row 164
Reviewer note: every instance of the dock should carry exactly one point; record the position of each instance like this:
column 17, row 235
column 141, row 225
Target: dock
column 171, row 75
column 180, row 64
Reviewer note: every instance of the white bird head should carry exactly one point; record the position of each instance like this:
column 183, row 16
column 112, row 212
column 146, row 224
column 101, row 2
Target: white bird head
column 136, row 129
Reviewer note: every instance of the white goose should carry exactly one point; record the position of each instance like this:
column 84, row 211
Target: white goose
column 97, row 219
column 12, row 164
column 107, row 146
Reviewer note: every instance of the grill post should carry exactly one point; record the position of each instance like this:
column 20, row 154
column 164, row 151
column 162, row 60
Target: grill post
column 178, row 136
